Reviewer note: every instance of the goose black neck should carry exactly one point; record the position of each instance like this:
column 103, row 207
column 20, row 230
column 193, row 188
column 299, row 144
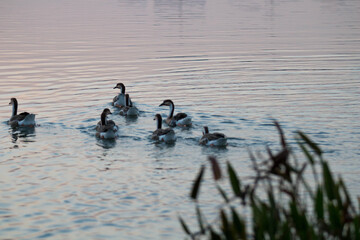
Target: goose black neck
column 127, row 101
column 172, row 108
column 159, row 122
column 103, row 119
column 15, row 107
column 206, row 130
column 123, row 89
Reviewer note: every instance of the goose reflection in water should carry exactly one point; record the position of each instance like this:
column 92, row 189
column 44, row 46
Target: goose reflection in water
column 24, row 133
column 106, row 143
column 131, row 120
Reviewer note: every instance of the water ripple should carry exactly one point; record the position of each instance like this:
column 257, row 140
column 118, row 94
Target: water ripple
column 233, row 66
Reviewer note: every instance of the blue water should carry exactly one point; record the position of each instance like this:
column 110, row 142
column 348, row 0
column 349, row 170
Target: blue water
column 234, row 66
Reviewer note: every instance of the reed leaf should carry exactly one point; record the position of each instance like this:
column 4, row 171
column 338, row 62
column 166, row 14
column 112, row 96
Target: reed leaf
column 184, row 226
column 215, row 168
column 307, row 154
column 328, row 181
column 196, row 186
column 200, row 219
column 214, row 235
column 285, row 232
column 319, row 204
column 313, row 145
column 234, row 180
column 357, row 228
column 239, row 225
column 227, row 231
column 281, row 133
column 223, row 194
column 334, row 217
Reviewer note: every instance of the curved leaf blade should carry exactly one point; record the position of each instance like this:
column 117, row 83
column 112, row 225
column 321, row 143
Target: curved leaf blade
column 234, row 180
column 196, row 186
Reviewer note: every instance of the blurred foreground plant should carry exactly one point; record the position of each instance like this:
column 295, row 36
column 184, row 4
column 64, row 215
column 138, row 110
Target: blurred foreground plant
column 282, row 203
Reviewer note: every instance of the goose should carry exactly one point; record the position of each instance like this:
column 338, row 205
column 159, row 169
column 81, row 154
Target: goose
column 165, row 135
column 106, row 128
column 180, row 119
column 129, row 109
column 119, row 100
column 213, row 139
column 23, row 119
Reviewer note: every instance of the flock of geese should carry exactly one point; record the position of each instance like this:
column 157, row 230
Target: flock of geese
column 107, row 129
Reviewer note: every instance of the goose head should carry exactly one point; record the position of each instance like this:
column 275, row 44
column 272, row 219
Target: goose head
column 120, row 86
column 103, row 116
column 14, row 104
column 106, row 112
column 206, row 130
column 158, row 118
column 167, row 102
column 13, row 101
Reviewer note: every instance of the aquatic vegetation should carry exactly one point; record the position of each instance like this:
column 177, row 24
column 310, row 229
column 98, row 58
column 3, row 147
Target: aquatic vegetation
column 281, row 200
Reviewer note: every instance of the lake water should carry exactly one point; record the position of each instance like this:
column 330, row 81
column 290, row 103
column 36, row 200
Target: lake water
column 232, row 65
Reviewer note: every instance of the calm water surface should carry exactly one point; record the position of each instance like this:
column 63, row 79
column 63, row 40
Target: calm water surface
column 231, row 65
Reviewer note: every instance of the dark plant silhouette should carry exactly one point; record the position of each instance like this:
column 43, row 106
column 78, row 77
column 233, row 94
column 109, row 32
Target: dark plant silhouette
column 282, row 203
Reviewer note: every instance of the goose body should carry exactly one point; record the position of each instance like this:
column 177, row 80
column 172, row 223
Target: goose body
column 23, row 119
column 105, row 128
column 164, row 135
column 119, row 100
column 129, row 109
column 180, row 119
column 213, row 139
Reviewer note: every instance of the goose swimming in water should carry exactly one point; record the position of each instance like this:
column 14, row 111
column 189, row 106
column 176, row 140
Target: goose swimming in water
column 180, row 119
column 213, row 139
column 106, row 128
column 165, row 135
column 119, row 100
column 23, row 119
column 129, row 109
